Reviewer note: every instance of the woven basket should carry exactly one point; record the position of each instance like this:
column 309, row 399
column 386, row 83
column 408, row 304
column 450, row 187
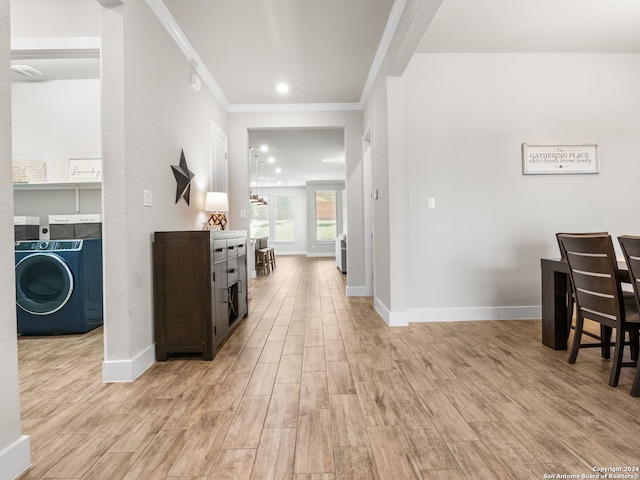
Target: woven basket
column 25, row 171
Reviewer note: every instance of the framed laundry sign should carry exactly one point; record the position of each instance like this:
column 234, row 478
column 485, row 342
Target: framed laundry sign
column 541, row 159
column 84, row 169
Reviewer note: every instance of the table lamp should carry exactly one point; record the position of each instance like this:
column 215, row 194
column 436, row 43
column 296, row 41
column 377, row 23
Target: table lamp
column 217, row 202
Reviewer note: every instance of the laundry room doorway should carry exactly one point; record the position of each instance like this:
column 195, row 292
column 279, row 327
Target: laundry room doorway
column 57, row 168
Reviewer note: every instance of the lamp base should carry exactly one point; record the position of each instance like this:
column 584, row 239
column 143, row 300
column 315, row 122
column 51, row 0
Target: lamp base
column 218, row 221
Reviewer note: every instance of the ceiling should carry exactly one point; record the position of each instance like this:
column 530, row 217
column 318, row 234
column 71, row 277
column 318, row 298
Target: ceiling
column 301, row 154
column 326, row 50
column 322, row 49
column 544, row 26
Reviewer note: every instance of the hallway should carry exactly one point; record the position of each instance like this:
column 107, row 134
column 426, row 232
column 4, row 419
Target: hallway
column 314, row 385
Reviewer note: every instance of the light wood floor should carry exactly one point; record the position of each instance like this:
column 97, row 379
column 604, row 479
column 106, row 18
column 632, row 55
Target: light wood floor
column 313, row 385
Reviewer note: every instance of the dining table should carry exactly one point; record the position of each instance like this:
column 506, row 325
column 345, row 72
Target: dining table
column 556, row 291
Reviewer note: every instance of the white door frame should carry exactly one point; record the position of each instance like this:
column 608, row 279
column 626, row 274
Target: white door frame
column 367, row 203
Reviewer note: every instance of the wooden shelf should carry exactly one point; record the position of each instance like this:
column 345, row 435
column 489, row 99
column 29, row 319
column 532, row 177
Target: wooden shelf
column 57, row 186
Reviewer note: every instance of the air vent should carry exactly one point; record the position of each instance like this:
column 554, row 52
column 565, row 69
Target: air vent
column 26, row 70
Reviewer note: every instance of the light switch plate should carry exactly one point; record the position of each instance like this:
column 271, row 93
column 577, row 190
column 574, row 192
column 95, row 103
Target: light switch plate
column 431, row 203
column 147, row 198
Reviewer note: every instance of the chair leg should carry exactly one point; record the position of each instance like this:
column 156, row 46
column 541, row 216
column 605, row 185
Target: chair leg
column 635, row 343
column 635, row 388
column 605, row 339
column 569, row 312
column 577, row 337
column 617, row 359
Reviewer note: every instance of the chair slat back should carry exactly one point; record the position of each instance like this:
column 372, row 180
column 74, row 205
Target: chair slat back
column 593, row 270
column 631, row 250
column 563, row 254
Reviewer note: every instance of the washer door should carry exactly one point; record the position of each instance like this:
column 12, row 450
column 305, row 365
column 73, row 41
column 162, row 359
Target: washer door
column 44, row 283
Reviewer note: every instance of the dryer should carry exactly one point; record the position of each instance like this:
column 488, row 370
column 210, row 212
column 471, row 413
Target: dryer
column 58, row 286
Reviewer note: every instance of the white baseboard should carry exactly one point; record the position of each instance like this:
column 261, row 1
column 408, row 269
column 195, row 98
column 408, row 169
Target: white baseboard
column 473, row 313
column 393, row 319
column 358, row 291
column 128, row 370
column 464, row 314
column 16, row 458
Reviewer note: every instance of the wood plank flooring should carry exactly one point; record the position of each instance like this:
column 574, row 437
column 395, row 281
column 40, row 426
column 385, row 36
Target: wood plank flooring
column 314, row 385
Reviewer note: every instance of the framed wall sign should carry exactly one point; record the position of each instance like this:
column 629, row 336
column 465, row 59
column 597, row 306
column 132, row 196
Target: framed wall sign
column 84, row 169
column 560, row 158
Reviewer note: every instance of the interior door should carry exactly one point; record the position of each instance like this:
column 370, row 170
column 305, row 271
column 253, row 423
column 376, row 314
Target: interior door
column 218, row 162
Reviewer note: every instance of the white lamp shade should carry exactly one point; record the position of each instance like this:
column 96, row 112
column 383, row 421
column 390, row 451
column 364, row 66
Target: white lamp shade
column 216, row 202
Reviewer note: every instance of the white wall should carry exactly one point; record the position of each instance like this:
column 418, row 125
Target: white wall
column 14, row 448
column 240, row 123
column 150, row 114
column 55, row 120
column 466, row 115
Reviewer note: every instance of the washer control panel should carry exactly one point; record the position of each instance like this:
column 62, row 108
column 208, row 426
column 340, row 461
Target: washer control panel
column 48, row 245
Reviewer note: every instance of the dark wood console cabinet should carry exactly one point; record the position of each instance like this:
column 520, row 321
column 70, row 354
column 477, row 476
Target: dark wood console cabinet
column 199, row 289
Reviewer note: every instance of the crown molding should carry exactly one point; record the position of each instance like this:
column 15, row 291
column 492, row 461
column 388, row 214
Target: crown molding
column 293, row 107
column 172, row 27
column 383, row 48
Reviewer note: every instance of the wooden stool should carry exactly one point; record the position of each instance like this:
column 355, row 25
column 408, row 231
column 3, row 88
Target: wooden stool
column 262, row 261
column 271, row 258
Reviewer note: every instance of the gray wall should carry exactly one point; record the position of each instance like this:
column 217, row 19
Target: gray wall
column 466, row 115
column 146, row 123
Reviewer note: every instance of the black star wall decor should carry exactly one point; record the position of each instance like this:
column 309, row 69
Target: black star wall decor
column 183, row 179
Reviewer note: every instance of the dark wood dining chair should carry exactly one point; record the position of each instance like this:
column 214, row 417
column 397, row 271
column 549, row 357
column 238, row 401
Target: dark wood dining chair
column 570, row 302
column 593, row 269
column 631, row 250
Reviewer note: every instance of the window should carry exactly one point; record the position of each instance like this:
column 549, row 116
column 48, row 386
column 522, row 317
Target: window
column 283, row 218
column 326, row 227
column 260, row 220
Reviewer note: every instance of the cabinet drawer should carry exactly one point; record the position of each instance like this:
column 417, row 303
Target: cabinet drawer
column 219, row 250
column 242, row 246
column 232, row 247
column 232, row 271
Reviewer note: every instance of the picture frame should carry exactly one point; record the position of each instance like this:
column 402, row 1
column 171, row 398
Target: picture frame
column 84, row 169
column 560, row 158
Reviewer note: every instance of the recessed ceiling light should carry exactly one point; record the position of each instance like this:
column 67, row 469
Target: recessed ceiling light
column 272, row 160
column 264, row 148
column 328, row 160
column 278, row 170
column 282, row 87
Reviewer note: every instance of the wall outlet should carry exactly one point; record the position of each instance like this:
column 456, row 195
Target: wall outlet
column 147, row 198
column 431, row 203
